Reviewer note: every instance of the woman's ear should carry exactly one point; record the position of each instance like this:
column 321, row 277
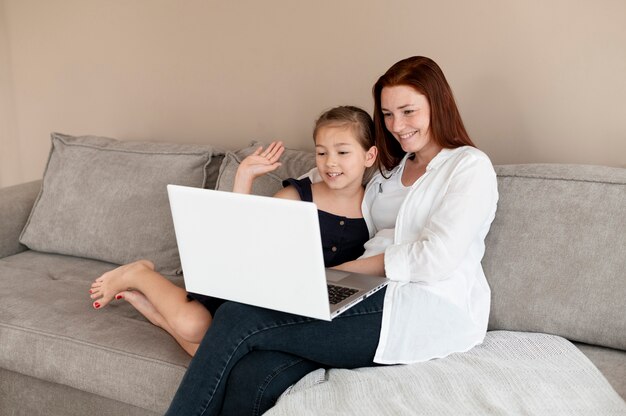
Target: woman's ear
column 370, row 156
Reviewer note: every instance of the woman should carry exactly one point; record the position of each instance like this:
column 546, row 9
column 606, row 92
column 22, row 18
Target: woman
column 430, row 208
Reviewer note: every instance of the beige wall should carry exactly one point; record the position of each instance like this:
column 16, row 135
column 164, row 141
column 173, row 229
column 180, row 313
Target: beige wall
column 11, row 170
column 536, row 80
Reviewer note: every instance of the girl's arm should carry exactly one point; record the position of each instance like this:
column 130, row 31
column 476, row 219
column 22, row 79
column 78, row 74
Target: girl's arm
column 257, row 164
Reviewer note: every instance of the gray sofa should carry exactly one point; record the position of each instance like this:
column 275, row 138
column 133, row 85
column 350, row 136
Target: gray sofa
column 555, row 260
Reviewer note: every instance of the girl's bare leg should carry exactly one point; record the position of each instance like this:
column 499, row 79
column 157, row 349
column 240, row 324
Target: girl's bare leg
column 139, row 301
column 189, row 319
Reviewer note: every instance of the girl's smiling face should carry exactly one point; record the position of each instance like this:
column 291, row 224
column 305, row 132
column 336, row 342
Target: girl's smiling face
column 340, row 158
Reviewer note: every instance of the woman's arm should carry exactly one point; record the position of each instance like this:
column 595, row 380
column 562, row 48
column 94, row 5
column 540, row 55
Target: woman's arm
column 257, row 164
column 374, row 265
column 458, row 222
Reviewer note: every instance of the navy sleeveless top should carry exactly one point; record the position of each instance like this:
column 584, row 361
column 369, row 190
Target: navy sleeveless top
column 342, row 238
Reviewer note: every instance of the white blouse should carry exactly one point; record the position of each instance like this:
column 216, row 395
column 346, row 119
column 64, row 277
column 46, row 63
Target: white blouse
column 438, row 300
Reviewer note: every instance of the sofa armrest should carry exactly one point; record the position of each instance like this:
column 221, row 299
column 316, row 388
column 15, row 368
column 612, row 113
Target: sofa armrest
column 16, row 203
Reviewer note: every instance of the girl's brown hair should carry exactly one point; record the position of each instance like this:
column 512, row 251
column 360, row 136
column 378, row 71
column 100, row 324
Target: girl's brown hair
column 446, row 125
column 349, row 116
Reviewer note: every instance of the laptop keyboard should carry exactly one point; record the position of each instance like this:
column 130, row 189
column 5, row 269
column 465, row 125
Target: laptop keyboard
column 338, row 293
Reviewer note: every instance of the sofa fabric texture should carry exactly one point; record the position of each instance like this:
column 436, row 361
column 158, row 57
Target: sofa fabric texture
column 554, row 260
column 17, row 202
column 611, row 362
column 106, row 199
column 29, row 396
column 50, row 332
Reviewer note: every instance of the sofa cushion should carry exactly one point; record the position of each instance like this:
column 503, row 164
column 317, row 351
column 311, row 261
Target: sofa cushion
column 611, row 362
column 49, row 331
column 15, row 204
column 106, row 199
column 555, row 253
column 294, row 164
column 21, row 395
column 510, row 373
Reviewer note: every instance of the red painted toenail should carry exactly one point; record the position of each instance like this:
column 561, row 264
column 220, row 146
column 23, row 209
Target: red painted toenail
column 118, row 297
column 96, row 305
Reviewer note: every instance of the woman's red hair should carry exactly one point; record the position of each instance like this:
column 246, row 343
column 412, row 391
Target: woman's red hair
column 446, row 125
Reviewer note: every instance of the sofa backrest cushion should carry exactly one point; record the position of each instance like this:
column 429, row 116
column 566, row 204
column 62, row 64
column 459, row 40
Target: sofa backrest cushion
column 556, row 252
column 15, row 204
column 294, row 163
column 106, row 199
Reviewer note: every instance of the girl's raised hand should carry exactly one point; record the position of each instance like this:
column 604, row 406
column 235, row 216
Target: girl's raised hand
column 262, row 161
column 257, row 164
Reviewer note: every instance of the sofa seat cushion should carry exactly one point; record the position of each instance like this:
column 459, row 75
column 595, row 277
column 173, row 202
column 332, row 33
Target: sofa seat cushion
column 510, row 373
column 611, row 362
column 22, row 395
column 49, row 330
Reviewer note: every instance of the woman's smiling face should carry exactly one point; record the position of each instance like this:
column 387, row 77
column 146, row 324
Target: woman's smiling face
column 407, row 117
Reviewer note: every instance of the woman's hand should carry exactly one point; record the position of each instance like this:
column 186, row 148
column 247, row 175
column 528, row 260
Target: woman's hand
column 374, row 265
column 257, row 164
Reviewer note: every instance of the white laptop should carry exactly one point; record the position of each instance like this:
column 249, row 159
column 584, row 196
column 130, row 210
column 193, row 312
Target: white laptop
column 261, row 251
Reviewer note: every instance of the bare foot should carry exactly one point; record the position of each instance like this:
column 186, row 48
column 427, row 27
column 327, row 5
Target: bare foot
column 143, row 305
column 115, row 281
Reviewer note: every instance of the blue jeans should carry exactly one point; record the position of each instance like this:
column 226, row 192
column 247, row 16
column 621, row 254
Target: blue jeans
column 250, row 355
column 258, row 380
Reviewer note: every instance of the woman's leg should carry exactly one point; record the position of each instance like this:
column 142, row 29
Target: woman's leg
column 349, row 341
column 189, row 319
column 258, row 380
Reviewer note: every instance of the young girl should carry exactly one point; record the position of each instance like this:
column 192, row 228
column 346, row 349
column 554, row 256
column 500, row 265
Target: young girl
column 345, row 149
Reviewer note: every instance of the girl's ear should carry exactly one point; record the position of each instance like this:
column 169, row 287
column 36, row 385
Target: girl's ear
column 370, row 156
